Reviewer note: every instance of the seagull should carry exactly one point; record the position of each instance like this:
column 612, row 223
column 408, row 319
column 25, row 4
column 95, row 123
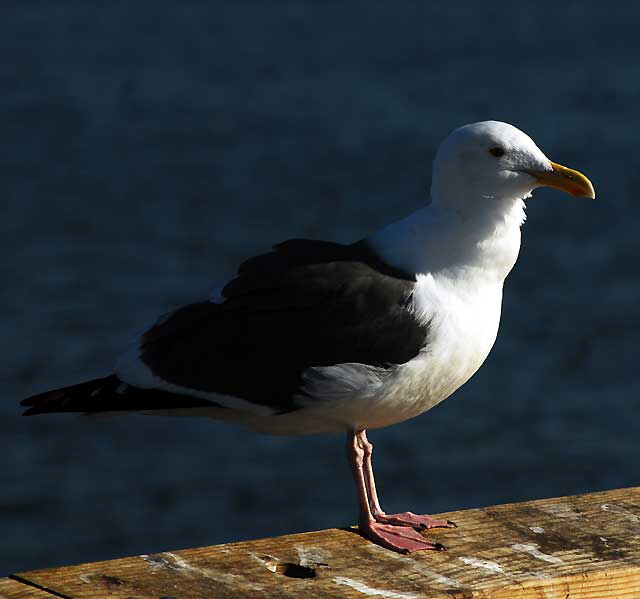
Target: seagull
column 322, row 337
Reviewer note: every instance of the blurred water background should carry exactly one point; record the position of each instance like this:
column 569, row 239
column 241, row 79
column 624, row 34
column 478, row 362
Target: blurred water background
column 148, row 147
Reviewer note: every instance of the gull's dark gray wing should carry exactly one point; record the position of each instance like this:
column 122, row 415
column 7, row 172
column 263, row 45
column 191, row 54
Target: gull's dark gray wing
column 305, row 304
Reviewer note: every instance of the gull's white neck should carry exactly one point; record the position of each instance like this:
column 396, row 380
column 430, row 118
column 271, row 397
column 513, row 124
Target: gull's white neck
column 477, row 244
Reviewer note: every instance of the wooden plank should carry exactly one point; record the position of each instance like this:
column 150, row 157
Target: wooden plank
column 13, row 589
column 582, row 547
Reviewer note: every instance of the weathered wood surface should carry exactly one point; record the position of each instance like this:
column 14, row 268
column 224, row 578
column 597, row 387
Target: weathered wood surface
column 582, row 547
column 13, row 589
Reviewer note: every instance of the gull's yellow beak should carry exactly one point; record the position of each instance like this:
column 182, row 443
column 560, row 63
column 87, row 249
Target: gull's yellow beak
column 565, row 179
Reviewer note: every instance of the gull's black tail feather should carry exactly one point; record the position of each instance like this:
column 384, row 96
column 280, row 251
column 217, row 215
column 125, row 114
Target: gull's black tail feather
column 89, row 396
column 108, row 394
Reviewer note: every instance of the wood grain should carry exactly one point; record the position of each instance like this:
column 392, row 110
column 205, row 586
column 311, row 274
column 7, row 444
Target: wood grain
column 13, row 589
column 581, row 547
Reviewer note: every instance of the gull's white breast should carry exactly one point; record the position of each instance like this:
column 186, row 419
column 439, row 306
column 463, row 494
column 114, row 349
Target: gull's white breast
column 463, row 318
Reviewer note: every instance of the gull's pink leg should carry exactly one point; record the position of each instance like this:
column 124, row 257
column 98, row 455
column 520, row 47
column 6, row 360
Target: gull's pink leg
column 397, row 538
column 402, row 519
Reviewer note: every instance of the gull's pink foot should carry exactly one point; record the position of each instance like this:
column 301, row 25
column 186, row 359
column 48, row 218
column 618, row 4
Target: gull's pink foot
column 402, row 539
column 422, row 522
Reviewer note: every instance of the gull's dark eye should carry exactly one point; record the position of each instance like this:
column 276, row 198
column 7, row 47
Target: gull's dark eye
column 497, row 151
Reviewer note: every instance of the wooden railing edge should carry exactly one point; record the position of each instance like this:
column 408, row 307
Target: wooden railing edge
column 583, row 546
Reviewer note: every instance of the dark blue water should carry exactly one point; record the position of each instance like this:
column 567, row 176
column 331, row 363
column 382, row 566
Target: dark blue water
column 147, row 148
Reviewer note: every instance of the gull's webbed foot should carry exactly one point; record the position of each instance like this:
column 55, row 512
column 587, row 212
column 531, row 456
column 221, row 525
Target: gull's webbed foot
column 423, row 522
column 402, row 539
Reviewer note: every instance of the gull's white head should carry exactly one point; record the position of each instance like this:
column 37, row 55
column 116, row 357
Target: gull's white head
column 492, row 164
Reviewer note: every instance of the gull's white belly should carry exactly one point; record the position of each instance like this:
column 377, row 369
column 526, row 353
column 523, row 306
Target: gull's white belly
column 461, row 335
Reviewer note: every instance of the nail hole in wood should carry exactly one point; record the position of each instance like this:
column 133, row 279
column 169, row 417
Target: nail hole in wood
column 295, row 571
